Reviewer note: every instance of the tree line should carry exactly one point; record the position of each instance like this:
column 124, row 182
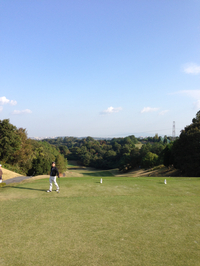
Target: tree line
column 121, row 153
column 34, row 157
column 183, row 152
column 24, row 155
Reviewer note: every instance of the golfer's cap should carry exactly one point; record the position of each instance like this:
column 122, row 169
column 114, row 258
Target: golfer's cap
column 52, row 162
column 0, row 165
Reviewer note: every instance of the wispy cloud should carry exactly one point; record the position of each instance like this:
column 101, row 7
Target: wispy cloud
column 18, row 112
column 1, row 108
column 195, row 94
column 191, row 93
column 197, row 104
column 4, row 100
column 111, row 110
column 191, row 68
column 149, row 109
column 12, row 102
column 163, row 112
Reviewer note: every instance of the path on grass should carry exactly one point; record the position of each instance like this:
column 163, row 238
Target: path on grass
column 16, row 179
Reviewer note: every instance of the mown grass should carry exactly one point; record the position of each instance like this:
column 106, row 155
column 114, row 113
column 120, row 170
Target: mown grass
column 123, row 221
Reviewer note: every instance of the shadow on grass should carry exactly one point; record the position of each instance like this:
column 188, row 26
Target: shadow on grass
column 28, row 188
column 81, row 168
column 99, row 174
column 75, row 168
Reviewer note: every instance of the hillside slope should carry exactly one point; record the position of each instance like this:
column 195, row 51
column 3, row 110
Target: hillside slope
column 75, row 170
column 7, row 174
column 162, row 172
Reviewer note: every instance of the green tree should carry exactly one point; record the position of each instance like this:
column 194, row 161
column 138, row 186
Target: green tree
column 126, row 149
column 167, row 154
column 117, row 147
column 157, row 148
column 197, row 118
column 64, row 150
column 135, row 158
column 43, row 155
column 40, row 166
column 86, row 158
column 61, row 163
column 165, row 140
column 156, row 138
column 149, row 160
column 186, row 149
column 23, row 157
column 10, row 141
column 145, row 149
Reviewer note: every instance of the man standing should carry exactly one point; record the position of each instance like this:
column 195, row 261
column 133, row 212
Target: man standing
column 53, row 173
column 1, row 173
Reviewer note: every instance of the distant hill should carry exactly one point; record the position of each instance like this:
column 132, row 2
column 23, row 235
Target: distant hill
column 62, row 137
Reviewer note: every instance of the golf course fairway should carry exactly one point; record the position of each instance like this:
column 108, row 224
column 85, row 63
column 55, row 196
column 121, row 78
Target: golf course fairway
column 123, row 221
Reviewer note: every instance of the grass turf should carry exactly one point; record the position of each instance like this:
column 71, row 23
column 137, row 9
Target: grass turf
column 123, row 221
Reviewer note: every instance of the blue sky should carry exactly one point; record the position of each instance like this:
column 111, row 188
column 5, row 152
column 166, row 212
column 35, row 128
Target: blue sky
column 101, row 68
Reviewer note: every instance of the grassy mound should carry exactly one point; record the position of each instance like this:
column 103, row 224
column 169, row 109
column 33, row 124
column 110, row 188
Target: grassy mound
column 7, row 174
column 123, row 221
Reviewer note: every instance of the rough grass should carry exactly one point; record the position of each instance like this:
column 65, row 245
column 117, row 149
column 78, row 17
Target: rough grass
column 123, row 221
column 138, row 145
column 7, row 174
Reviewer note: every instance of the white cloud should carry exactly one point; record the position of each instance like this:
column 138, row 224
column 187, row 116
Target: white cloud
column 111, row 110
column 12, row 102
column 192, row 69
column 149, row 109
column 18, row 112
column 163, row 112
column 4, row 100
column 1, row 108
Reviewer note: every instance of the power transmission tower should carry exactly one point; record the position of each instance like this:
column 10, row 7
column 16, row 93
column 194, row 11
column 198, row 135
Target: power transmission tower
column 173, row 131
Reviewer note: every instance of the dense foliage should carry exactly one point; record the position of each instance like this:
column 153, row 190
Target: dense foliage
column 24, row 155
column 184, row 152
column 121, row 153
column 186, row 149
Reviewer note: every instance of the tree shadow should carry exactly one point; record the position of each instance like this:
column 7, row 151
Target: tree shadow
column 90, row 174
column 105, row 173
column 83, row 168
column 28, row 188
column 76, row 168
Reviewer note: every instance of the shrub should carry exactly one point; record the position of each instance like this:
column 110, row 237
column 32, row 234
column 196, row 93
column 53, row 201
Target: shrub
column 2, row 184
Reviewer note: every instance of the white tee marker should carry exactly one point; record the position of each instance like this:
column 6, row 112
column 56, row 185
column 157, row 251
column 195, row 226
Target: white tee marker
column 101, row 181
